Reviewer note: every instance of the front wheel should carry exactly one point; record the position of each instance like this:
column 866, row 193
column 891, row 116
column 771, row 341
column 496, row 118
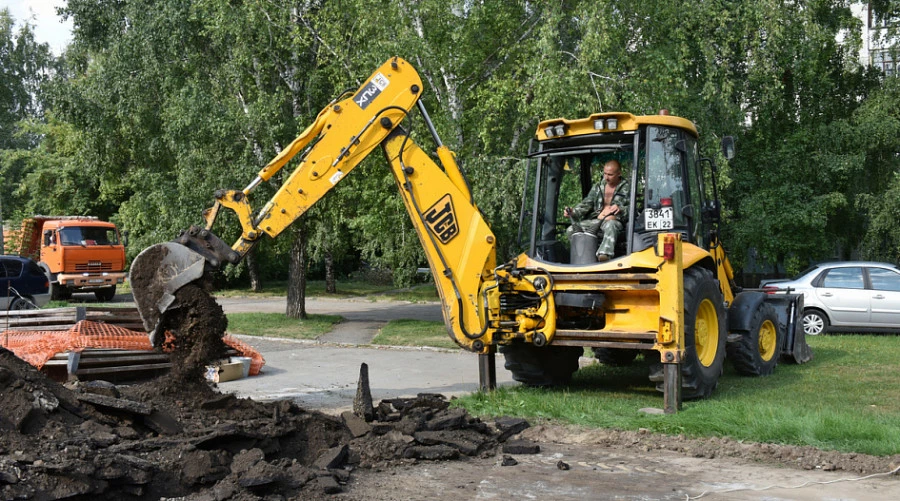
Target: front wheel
column 756, row 352
column 814, row 322
column 544, row 366
column 59, row 292
column 105, row 294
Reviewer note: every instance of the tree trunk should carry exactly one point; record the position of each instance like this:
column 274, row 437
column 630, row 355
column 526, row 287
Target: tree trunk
column 330, row 285
column 253, row 271
column 296, row 294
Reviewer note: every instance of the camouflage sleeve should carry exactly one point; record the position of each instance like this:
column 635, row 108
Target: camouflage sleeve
column 588, row 205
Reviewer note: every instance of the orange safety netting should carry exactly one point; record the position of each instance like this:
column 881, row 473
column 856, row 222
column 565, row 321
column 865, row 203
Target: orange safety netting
column 37, row 347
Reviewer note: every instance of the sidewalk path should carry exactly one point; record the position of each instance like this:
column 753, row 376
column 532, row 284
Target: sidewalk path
column 323, row 374
column 363, row 318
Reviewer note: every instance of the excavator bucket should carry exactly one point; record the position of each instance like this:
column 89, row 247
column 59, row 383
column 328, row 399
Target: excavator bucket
column 160, row 270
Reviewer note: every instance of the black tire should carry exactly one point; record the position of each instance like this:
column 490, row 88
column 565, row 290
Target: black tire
column 21, row 303
column 106, row 294
column 704, row 354
column 59, row 292
column 614, row 357
column 756, row 352
column 544, row 366
column 815, row 322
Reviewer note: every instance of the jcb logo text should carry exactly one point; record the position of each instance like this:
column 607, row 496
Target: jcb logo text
column 441, row 219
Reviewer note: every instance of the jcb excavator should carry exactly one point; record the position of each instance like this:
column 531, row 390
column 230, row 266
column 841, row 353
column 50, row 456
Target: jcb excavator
column 667, row 292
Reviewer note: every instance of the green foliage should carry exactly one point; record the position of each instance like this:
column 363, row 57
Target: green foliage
column 156, row 105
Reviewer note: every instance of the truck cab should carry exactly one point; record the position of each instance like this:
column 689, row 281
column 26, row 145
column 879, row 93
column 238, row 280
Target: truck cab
column 77, row 253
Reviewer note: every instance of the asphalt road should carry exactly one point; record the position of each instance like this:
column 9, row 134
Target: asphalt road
column 323, row 375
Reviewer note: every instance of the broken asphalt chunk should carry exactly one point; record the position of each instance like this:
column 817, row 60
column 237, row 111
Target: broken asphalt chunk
column 119, row 404
column 431, row 452
column 332, row 458
column 465, row 441
column 509, row 426
column 450, row 419
column 162, row 423
column 358, row 426
column 521, row 447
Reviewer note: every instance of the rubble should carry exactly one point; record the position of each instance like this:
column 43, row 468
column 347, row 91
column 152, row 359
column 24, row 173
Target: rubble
column 157, row 440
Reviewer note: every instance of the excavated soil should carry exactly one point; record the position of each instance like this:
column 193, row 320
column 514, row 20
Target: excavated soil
column 197, row 325
column 155, row 440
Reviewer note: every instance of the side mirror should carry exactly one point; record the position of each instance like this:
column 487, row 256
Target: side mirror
column 125, row 238
column 712, row 211
column 728, row 147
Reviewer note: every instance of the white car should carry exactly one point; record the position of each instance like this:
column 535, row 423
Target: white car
column 845, row 296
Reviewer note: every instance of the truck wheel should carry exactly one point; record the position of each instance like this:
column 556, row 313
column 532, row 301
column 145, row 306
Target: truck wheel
column 704, row 336
column 614, row 357
column 106, row 294
column 544, row 366
column 59, row 292
column 756, row 352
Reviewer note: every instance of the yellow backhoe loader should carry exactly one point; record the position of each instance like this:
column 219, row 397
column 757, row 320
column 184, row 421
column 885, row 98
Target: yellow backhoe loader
column 666, row 292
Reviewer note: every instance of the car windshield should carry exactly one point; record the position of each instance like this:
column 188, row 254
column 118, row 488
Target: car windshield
column 88, row 235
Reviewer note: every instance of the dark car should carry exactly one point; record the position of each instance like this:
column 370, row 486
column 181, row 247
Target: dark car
column 24, row 284
column 846, row 296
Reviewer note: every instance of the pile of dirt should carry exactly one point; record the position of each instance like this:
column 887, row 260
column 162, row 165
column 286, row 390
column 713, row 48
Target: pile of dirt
column 155, row 440
column 197, row 325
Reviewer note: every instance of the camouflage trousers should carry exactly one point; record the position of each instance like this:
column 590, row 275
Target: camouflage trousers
column 607, row 231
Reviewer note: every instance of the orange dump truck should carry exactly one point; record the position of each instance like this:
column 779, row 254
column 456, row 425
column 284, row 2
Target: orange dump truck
column 78, row 253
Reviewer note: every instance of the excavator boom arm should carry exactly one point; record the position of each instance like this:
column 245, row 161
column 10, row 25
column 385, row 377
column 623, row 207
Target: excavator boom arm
column 459, row 245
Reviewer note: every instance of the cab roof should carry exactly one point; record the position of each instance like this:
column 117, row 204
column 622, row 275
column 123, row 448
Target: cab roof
column 608, row 122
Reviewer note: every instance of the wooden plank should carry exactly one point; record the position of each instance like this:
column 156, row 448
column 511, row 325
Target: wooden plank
column 58, row 319
column 125, row 359
column 126, row 369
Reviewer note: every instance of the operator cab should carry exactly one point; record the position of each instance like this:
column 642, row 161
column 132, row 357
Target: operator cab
column 659, row 158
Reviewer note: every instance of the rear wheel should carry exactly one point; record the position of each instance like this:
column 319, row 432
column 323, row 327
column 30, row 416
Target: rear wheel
column 756, row 352
column 544, row 366
column 814, row 322
column 704, row 336
column 105, row 294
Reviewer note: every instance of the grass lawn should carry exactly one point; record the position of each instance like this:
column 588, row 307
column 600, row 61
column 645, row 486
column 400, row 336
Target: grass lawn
column 414, row 333
column 279, row 325
column 847, row 399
